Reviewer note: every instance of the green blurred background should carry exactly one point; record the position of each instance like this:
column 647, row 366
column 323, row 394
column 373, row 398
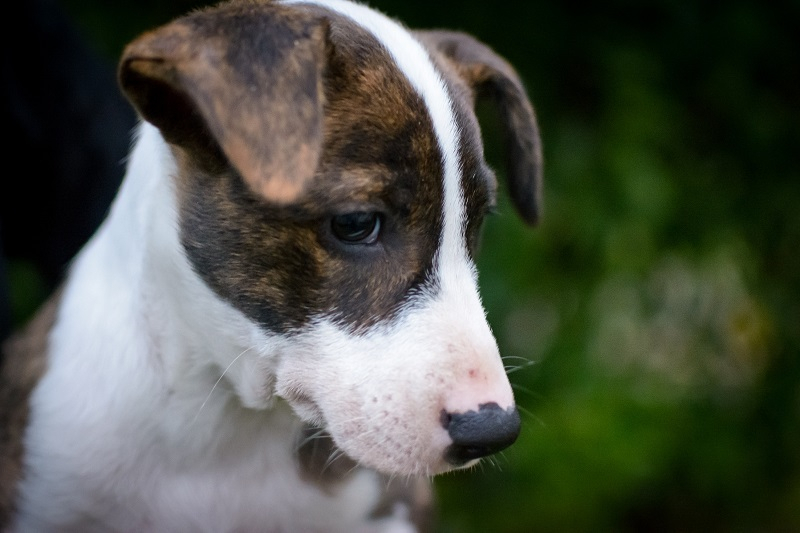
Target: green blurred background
column 651, row 323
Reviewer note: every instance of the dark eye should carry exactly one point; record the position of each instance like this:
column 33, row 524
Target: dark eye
column 357, row 228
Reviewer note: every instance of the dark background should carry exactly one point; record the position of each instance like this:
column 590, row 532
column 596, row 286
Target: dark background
column 651, row 322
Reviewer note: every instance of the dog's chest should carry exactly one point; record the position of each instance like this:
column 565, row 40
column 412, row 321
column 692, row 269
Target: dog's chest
column 248, row 495
column 243, row 478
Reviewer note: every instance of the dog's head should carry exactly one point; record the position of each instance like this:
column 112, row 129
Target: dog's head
column 331, row 187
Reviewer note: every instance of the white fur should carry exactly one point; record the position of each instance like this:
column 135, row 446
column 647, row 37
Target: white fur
column 159, row 411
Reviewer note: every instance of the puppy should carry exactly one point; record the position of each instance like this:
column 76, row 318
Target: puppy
column 280, row 313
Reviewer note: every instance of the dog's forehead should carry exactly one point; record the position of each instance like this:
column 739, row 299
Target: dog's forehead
column 379, row 139
column 378, row 102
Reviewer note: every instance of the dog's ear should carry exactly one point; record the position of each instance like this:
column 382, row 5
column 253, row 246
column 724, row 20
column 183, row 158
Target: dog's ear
column 489, row 75
column 245, row 79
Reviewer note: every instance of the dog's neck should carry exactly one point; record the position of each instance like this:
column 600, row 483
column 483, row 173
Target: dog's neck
column 187, row 337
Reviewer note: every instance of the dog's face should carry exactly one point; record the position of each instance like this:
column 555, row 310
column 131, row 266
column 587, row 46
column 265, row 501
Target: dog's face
column 331, row 187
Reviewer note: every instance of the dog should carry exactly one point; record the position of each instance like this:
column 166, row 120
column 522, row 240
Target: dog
column 277, row 327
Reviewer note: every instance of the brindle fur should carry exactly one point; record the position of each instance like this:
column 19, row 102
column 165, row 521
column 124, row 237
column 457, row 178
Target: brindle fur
column 24, row 362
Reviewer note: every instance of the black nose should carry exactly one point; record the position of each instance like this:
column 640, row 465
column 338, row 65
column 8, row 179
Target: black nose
column 480, row 433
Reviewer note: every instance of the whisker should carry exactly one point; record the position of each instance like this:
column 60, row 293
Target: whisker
column 218, row 381
column 529, row 413
column 316, row 435
column 500, row 458
column 510, row 369
column 332, row 458
column 526, row 390
column 352, row 469
column 515, row 357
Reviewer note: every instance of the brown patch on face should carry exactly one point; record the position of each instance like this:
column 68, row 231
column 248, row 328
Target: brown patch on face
column 282, row 265
column 24, row 363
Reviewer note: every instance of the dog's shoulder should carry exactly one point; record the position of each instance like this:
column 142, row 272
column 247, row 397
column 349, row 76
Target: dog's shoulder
column 23, row 364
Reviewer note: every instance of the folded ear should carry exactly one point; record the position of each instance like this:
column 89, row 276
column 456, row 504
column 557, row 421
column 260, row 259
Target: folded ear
column 489, row 75
column 244, row 78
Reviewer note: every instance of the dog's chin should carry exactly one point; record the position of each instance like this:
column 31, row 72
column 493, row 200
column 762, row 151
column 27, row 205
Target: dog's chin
column 389, row 459
column 311, row 436
column 380, row 446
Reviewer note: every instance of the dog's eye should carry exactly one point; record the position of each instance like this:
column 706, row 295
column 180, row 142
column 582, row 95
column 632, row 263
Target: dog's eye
column 357, row 228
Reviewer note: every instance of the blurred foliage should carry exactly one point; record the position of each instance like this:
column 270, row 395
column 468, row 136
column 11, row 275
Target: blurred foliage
column 651, row 323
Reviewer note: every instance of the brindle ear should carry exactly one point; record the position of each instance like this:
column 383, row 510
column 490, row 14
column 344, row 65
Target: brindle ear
column 489, row 75
column 245, row 79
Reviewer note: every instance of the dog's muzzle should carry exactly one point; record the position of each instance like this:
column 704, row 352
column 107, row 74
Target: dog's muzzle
column 476, row 434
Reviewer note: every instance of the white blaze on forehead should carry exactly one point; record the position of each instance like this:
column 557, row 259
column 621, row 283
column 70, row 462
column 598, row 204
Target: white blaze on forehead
column 414, row 62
